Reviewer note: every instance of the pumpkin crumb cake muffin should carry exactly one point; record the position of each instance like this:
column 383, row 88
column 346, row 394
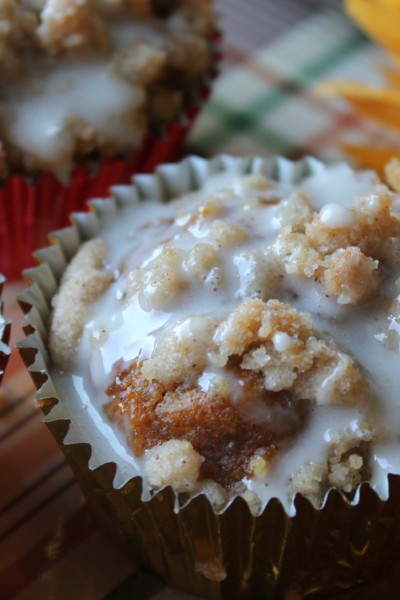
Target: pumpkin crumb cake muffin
column 89, row 78
column 242, row 339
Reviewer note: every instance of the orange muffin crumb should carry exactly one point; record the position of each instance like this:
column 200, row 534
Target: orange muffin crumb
column 217, row 429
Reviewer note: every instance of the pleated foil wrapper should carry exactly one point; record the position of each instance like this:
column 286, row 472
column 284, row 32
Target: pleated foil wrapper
column 31, row 207
column 5, row 326
column 218, row 555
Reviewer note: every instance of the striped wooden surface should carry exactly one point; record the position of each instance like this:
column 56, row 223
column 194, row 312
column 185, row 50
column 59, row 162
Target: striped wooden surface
column 263, row 103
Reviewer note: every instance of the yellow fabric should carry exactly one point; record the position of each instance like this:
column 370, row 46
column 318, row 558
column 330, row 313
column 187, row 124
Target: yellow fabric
column 380, row 19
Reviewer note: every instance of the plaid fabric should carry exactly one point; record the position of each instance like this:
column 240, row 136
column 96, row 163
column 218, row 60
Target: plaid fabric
column 266, row 103
column 263, row 103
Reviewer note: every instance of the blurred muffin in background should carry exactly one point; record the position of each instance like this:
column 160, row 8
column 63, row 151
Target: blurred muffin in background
column 91, row 92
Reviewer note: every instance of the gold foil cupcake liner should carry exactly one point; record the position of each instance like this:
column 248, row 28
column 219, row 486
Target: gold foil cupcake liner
column 228, row 554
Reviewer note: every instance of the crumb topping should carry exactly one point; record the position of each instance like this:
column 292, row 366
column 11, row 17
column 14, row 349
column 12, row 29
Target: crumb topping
column 17, row 28
column 70, row 26
column 345, row 466
column 84, row 280
column 344, row 258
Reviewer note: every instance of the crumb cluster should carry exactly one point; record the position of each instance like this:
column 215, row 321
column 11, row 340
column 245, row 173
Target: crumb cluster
column 42, row 36
column 344, row 259
column 84, row 280
column 275, row 369
column 229, row 390
column 344, row 467
column 18, row 27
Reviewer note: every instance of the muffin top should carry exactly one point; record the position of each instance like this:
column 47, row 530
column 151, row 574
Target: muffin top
column 89, row 78
column 244, row 339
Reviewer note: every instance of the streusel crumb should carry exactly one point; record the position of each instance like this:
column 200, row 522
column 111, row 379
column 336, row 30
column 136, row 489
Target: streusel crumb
column 173, row 463
column 344, row 466
column 18, row 25
column 376, row 219
column 349, row 275
column 70, row 26
column 392, row 173
column 84, row 280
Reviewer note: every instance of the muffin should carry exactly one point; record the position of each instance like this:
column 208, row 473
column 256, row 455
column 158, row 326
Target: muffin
column 112, row 86
column 228, row 358
column 4, row 335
